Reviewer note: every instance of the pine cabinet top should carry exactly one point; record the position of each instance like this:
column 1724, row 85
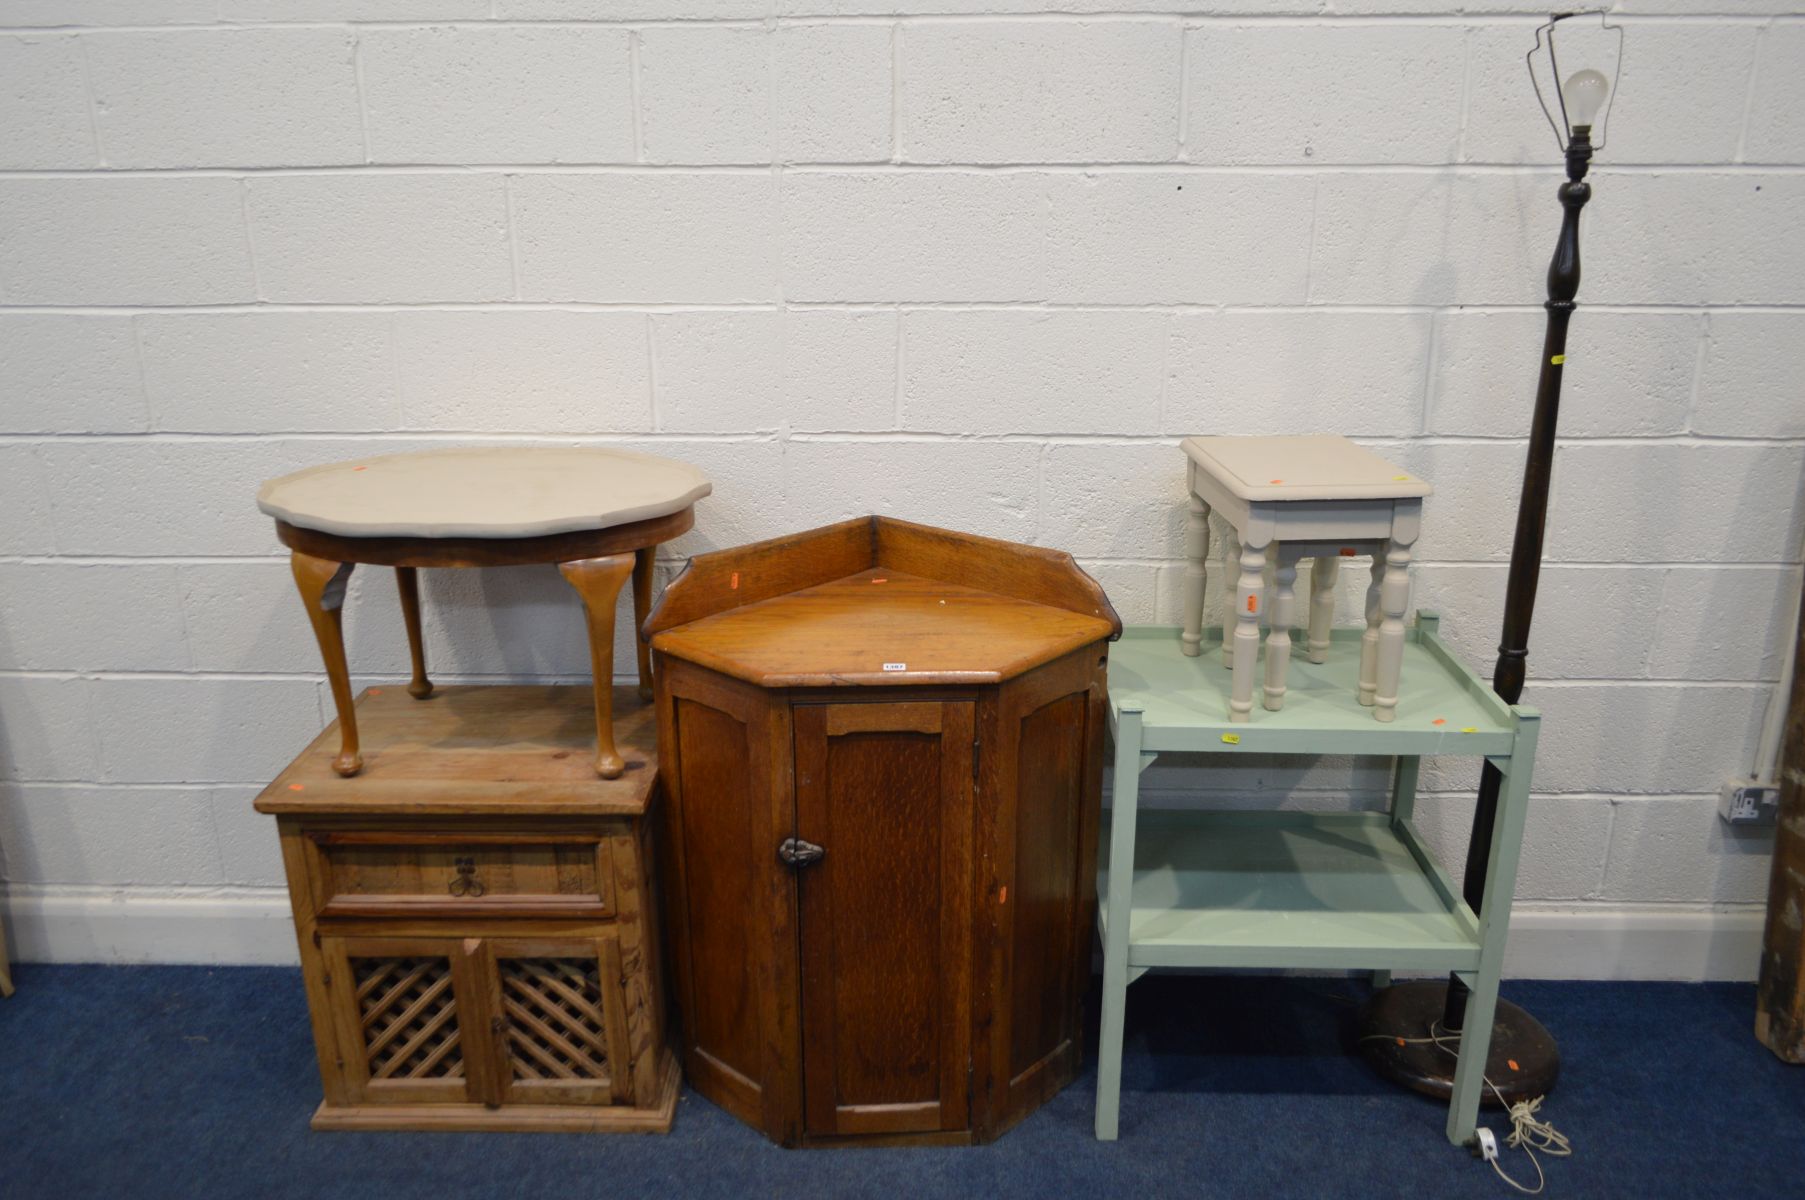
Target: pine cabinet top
column 476, row 751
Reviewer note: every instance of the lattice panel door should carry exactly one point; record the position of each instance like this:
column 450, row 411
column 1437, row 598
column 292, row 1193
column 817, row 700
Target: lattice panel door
column 409, row 1013
column 562, row 1023
column 401, row 1012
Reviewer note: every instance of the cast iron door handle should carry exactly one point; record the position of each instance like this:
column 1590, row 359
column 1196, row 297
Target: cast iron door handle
column 797, row 853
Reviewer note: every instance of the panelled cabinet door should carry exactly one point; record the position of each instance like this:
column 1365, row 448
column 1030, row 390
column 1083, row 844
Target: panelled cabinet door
column 729, row 806
column 886, row 790
column 397, row 1016
column 1049, row 754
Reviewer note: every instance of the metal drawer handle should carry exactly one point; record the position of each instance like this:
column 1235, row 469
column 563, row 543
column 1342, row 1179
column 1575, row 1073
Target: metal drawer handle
column 797, row 853
column 466, row 883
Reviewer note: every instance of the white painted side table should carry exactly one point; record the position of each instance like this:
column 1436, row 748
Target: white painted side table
column 599, row 514
column 1289, row 498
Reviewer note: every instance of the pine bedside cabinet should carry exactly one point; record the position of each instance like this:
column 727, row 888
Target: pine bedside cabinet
column 882, row 748
column 475, row 915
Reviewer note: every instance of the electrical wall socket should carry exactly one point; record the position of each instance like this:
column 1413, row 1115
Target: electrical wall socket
column 1744, row 803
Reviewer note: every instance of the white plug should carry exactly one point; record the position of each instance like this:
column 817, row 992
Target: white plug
column 1485, row 1145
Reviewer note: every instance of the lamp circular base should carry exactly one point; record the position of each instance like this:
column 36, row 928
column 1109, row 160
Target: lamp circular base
column 1523, row 1063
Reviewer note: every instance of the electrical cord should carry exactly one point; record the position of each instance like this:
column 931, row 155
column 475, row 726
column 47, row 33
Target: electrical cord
column 1528, row 1132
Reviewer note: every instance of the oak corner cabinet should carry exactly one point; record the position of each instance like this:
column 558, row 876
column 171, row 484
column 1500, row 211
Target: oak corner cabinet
column 478, row 939
column 882, row 754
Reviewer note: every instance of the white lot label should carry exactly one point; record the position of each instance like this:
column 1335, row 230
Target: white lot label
column 896, row 666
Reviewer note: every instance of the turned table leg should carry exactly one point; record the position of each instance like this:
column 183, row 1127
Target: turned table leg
column 407, row 582
column 643, row 559
column 1394, row 601
column 1369, row 641
column 1323, row 575
column 1278, row 630
column 1249, row 589
column 1197, row 554
column 322, row 585
column 1231, row 577
column 598, row 581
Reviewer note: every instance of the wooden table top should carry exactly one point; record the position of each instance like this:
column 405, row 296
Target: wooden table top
column 1309, row 467
column 478, row 751
column 483, row 492
column 882, row 627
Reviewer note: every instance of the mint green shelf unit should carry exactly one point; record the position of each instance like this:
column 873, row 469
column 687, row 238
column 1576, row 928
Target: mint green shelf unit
column 1293, row 890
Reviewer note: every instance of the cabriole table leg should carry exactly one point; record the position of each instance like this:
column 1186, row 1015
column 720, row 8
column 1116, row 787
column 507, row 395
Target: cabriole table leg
column 407, row 582
column 598, row 581
column 643, row 560
column 322, row 585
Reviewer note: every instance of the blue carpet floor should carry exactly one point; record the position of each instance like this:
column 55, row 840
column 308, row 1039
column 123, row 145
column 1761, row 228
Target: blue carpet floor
column 198, row 1082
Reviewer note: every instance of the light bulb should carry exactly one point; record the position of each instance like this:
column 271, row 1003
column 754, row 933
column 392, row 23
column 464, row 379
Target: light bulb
column 1584, row 94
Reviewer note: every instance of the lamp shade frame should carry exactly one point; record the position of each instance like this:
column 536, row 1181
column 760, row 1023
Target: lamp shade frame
column 1545, row 47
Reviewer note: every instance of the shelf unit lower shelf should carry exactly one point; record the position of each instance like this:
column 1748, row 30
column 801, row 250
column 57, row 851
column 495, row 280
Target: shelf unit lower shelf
column 1347, row 891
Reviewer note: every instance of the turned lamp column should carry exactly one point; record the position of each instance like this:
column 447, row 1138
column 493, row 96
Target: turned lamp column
column 1512, row 669
column 1525, row 1050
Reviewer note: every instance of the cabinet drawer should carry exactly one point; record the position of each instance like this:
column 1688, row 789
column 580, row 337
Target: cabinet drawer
column 396, row 873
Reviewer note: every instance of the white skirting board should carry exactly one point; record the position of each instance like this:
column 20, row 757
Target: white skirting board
column 142, row 926
column 1594, row 941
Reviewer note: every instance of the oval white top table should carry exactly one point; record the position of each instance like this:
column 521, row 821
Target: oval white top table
column 598, row 514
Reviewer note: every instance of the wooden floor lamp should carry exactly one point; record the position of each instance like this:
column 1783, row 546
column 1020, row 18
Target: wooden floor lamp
column 1780, row 995
column 1400, row 1027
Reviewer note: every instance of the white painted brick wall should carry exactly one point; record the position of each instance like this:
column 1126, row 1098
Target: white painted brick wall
column 1247, row 372
column 44, row 119
column 840, row 369
column 1002, row 371
column 974, row 262
column 549, row 371
column 1018, row 91
column 1173, row 237
column 1639, row 381
column 831, row 92
column 253, row 97
column 288, row 372
column 1323, row 94
column 138, row 239
column 70, row 374
column 512, row 94
column 656, row 237
column 351, row 239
